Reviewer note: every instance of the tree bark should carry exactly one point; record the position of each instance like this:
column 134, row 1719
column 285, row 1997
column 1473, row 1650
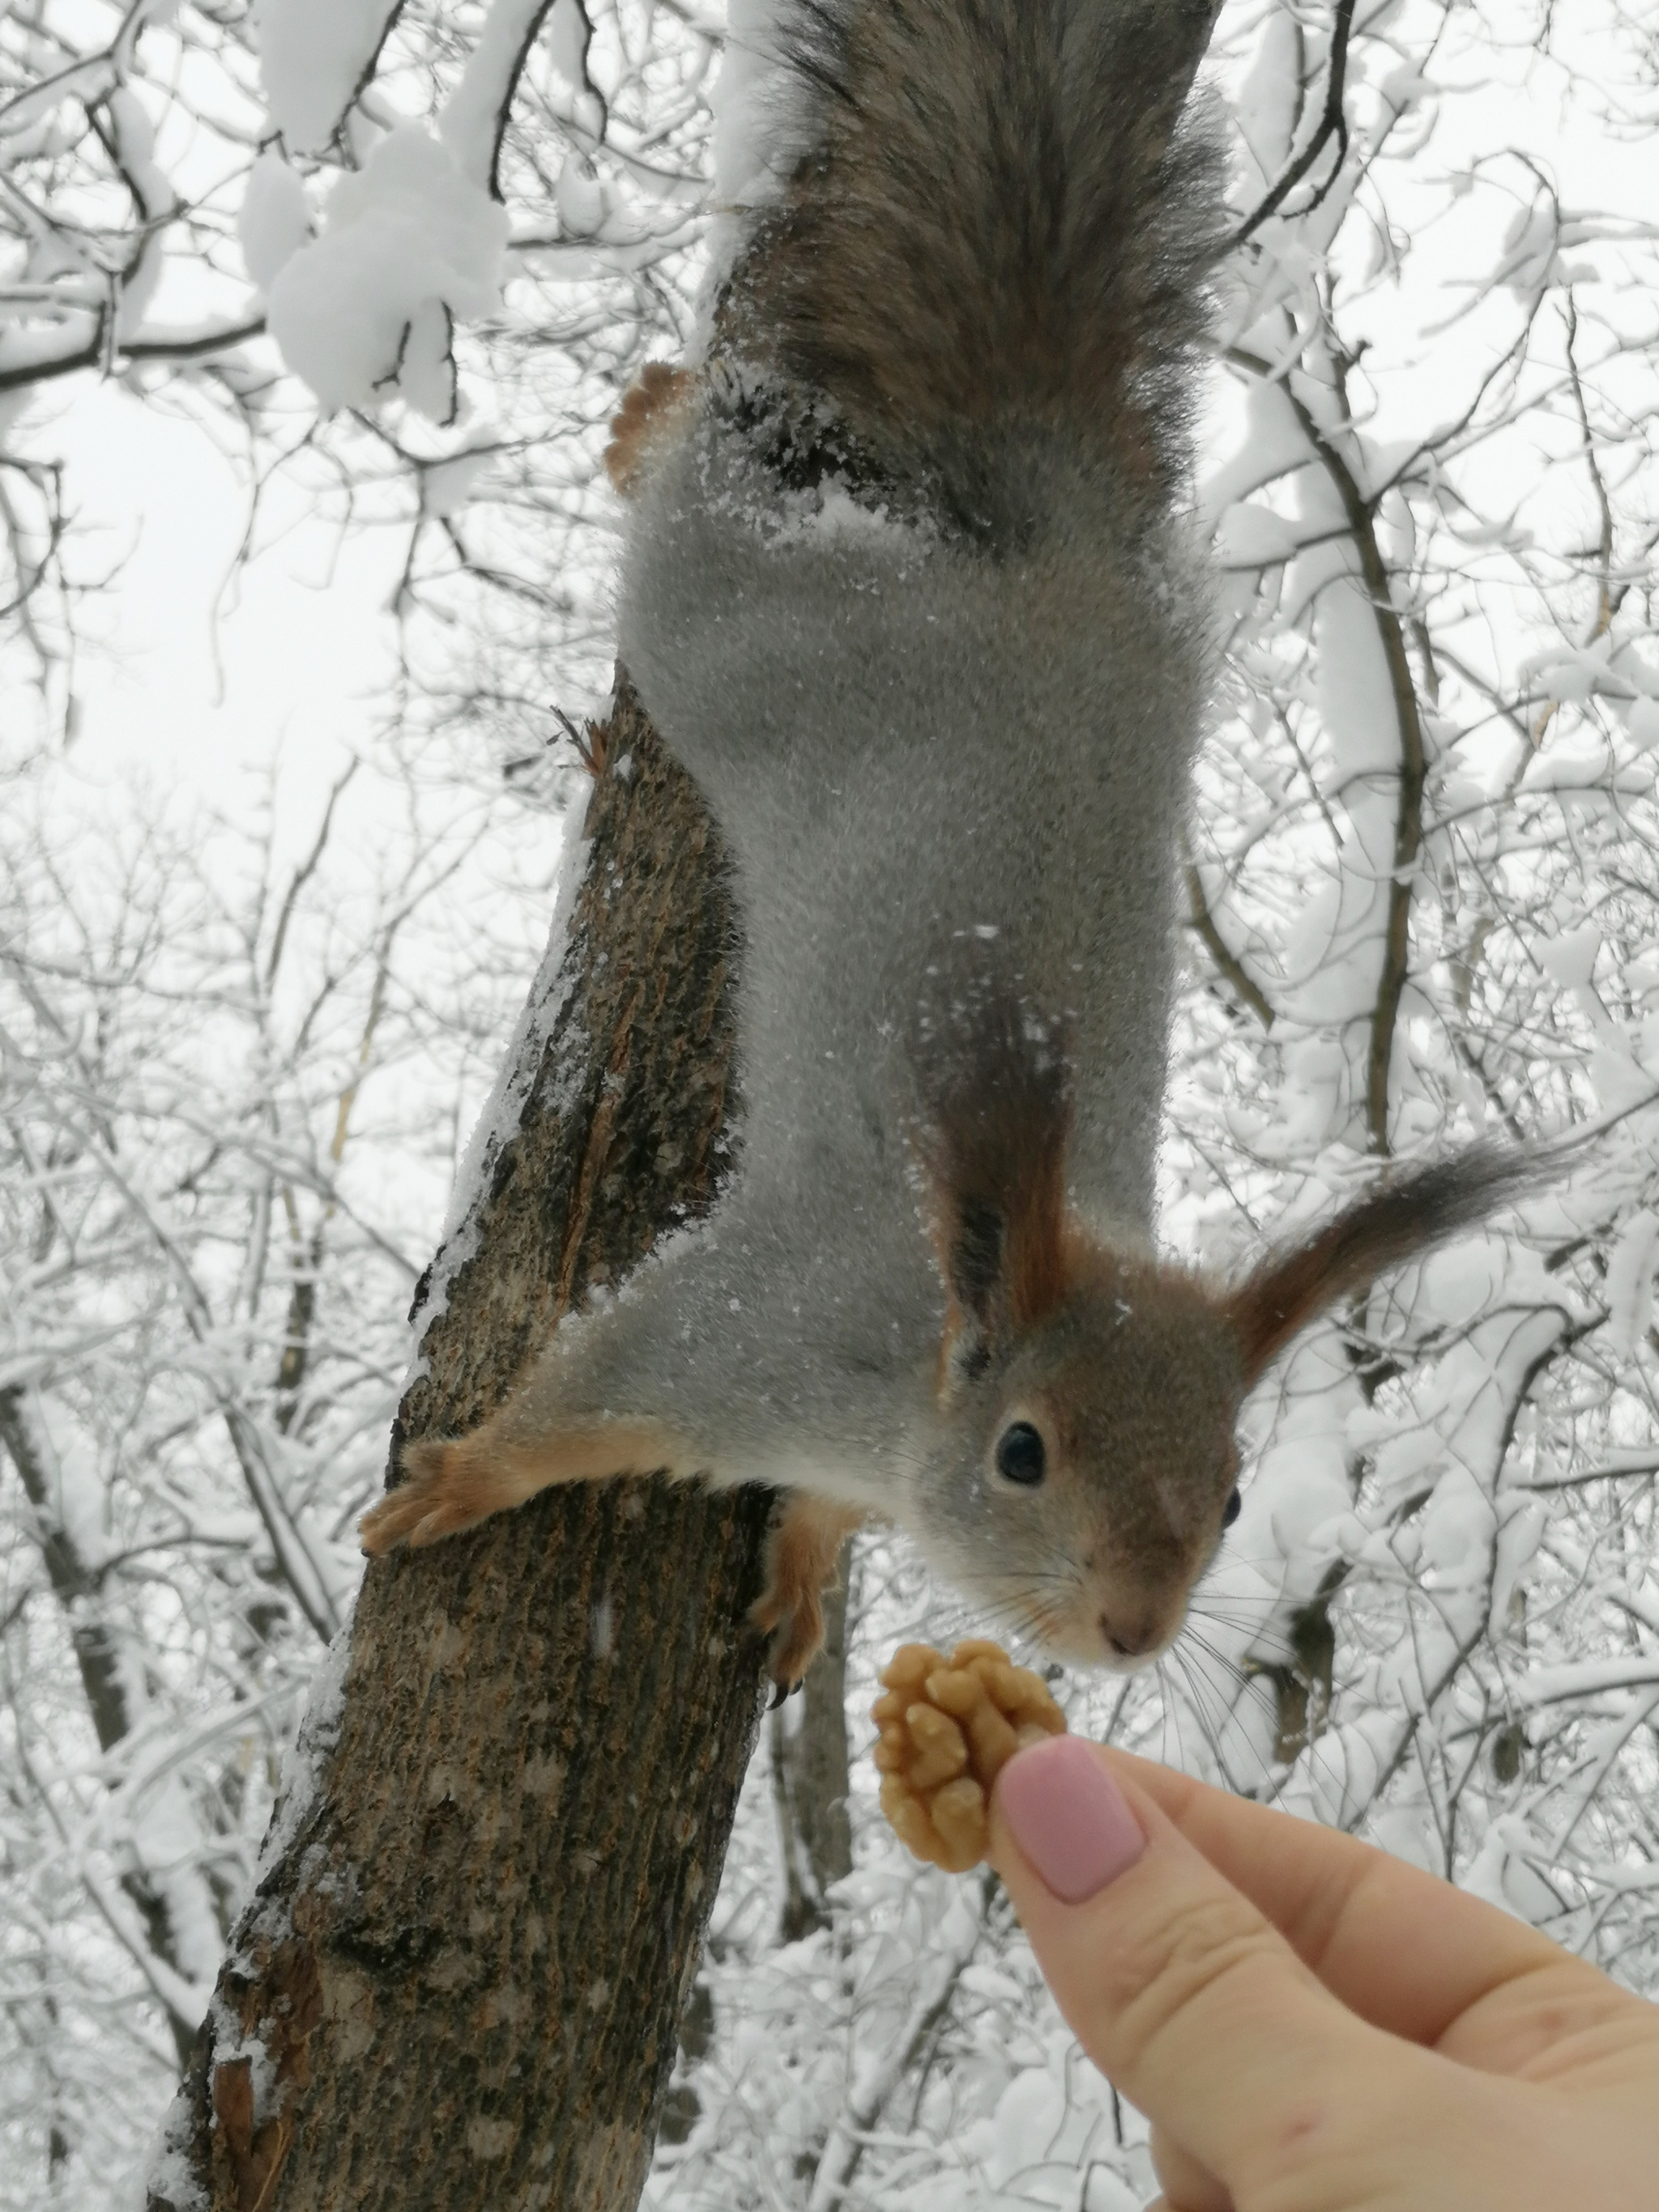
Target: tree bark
column 458, row 1982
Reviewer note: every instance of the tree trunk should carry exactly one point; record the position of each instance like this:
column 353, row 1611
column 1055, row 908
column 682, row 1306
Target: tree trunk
column 812, row 1774
column 458, row 1982
column 98, row 1655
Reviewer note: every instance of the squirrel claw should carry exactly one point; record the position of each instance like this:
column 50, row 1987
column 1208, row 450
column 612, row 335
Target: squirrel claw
column 795, row 1621
column 801, row 1556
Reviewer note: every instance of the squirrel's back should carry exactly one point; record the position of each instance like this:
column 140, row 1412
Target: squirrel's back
column 906, row 587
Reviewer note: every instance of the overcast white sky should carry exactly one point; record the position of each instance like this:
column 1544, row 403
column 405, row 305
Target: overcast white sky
column 302, row 640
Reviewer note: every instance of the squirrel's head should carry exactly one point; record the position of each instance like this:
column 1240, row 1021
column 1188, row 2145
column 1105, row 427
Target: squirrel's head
column 1081, row 1465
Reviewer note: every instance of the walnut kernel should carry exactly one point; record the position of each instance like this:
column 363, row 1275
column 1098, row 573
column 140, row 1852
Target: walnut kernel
column 948, row 1729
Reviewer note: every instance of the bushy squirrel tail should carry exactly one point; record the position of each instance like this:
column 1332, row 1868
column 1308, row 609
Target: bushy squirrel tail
column 999, row 236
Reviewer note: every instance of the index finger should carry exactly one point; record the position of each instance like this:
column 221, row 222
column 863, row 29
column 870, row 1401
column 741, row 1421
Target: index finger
column 1401, row 1948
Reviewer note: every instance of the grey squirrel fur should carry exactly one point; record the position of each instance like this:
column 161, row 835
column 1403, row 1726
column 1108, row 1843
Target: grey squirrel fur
column 908, row 591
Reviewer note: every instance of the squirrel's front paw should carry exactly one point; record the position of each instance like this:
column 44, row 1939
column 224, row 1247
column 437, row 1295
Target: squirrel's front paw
column 440, row 1495
column 800, row 1560
column 793, row 1619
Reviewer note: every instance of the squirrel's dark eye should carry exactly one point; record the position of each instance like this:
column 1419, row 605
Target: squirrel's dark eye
column 1231, row 1510
column 1019, row 1453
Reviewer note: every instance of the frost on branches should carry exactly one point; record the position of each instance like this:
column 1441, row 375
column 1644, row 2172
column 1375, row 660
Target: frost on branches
column 1424, row 882
column 232, row 1085
column 421, row 253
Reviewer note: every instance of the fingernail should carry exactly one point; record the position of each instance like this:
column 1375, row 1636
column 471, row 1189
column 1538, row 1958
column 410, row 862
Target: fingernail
column 1069, row 1817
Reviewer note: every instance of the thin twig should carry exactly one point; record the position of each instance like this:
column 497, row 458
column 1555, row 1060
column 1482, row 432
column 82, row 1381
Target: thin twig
column 1203, row 923
column 1332, row 122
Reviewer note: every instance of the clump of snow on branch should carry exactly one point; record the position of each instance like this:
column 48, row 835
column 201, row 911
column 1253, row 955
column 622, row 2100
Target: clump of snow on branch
column 473, row 117
column 408, row 246
column 313, row 55
column 276, row 218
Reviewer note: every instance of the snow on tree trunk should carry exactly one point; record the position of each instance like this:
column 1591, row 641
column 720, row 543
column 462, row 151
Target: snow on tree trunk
column 458, row 1979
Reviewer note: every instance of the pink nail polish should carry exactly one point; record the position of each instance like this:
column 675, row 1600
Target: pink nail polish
column 1069, row 1817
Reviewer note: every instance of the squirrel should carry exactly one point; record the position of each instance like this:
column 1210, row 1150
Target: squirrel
column 909, row 589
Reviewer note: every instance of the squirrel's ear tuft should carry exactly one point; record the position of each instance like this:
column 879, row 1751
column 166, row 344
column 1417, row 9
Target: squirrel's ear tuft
column 1402, row 1217
column 996, row 1092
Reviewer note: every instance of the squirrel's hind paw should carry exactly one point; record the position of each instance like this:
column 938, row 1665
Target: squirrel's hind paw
column 651, row 412
column 800, row 1560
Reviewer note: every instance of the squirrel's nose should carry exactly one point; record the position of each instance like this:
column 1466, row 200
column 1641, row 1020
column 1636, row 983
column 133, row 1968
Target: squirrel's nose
column 1129, row 1634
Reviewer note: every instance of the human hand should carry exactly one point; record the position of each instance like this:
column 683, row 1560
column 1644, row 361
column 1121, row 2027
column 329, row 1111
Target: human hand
column 1309, row 2025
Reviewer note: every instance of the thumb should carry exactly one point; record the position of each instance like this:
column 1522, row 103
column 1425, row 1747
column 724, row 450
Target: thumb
column 1180, row 1992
